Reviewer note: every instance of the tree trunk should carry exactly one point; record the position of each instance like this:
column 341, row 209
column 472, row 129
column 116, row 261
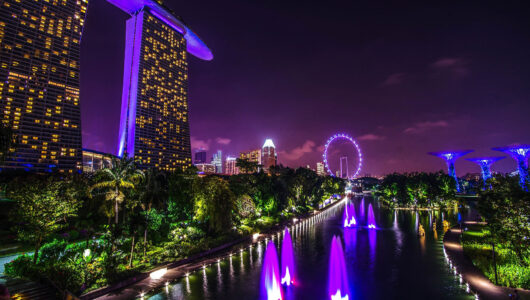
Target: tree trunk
column 116, row 208
column 145, row 240
column 36, row 254
column 132, row 253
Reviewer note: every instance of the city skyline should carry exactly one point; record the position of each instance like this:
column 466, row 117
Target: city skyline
column 393, row 88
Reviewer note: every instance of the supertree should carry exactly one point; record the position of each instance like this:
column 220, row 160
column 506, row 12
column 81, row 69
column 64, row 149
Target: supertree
column 485, row 166
column 450, row 157
column 520, row 153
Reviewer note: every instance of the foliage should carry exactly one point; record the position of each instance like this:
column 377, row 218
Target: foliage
column 8, row 142
column 247, row 166
column 417, row 189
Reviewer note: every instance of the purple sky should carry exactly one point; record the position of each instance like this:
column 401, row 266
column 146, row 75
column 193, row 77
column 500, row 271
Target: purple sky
column 403, row 80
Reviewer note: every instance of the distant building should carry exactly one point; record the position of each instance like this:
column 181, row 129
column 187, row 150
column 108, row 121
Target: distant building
column 39, row 82
column 269, row 157
column 200, row 156
column 252, row 155
column 94, row 160
column 217, row 161
column 320, row 169
column 206, row 168
column 230, row 166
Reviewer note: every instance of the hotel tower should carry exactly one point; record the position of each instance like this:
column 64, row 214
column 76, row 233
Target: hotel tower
column 39, row 82
column 154, row 125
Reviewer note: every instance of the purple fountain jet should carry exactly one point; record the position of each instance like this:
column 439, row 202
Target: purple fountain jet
column 371, row 217
column 338, row 276
column 270, row 275
column 288, row 268
column 349, row 216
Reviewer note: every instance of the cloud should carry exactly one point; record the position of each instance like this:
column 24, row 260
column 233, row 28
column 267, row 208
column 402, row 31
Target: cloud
column 298, row 152
column 200, row 144
column 223, row 141
column 394, row 79
column 456, row 66
column 421, row 127
column 371, row 137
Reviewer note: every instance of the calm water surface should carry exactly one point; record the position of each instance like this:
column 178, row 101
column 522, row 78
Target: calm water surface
column 388, row 263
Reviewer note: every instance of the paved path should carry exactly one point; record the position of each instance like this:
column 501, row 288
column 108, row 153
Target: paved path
column 478, row 283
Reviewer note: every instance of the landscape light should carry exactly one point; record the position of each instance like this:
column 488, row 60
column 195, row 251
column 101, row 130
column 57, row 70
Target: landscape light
column 158, row 274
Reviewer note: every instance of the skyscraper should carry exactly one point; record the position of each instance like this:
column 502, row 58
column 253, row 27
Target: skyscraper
column 230, row 166
column 268, row 154
column 200, row 156
column 252, row 155
column 320, row 169
column 39, row 81
column 154, row 124
column 217, row 161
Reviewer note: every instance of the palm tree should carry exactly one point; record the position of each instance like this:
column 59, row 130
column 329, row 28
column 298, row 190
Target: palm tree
column 116, row 181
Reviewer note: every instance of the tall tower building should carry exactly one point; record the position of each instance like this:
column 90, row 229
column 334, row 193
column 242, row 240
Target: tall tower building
column 200, row 156
column 268, row 154
column 154, row 124
column 320, row 169
column 39, row 81
column 217, row 161
column 230, row 166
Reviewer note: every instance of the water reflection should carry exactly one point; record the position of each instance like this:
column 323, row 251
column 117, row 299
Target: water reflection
column 392, row 255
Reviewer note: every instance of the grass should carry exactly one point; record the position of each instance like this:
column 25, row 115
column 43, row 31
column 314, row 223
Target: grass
column 511, row 272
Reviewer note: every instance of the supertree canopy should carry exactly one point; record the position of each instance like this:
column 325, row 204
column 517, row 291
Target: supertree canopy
column 520, row 153
column 450, row 157
column 485, row 165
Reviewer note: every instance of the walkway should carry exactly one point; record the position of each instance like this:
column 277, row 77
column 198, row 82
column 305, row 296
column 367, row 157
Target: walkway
column 478, row 283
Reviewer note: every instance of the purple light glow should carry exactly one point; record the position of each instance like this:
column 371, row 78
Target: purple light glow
column 349, row 138
column 349, row 216
column 338, row 277
column 133, row 42
column 270, row 275
column 195, row 45
column 361, row 209
column 288, row 267
column 371, row 217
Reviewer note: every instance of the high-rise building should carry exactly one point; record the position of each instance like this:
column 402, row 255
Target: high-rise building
column 200, row 156
column 230, row 166
column 39, row 81
column 252, row 155
column 269, row 156
column 154, row 124
column 217, row 161
column 320, row 169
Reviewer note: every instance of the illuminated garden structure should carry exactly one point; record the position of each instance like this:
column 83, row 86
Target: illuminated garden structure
column 520, row 153
column 154, row 125
column 450, row 157
column 485, row 166
column 39, row 82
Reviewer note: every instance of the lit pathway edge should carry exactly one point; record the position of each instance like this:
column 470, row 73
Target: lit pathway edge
column 478, row 283
column 133, row 287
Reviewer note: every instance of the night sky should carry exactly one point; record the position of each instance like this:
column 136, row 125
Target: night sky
column 402, row 79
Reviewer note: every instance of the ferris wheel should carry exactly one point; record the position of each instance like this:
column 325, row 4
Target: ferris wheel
column 349, row 139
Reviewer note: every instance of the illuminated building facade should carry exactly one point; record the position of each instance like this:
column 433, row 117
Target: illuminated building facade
column 154, row 124
column 269, row 156
column 206, row 168
column 94, row 161
column 252, row 155
column 230, row 166
column 217, row 161
column 450, row 157
column 39, row 82
column 321, row 171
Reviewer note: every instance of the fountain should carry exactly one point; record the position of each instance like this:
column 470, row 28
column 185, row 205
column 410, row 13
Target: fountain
column 338, row 277
column 288, row 269
column 371, row 217
column 270, row 275
column 349, row 216
column 361, row 208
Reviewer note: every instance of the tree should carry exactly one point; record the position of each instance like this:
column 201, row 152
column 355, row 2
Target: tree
column 115, row 182
column 247, row 166
column 8, row 141
column 42, row 208
column 215, row 204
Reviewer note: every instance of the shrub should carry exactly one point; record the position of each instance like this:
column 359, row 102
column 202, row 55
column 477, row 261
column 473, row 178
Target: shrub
column 52, row 250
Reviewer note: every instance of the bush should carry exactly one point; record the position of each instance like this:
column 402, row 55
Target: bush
column 52, row 250
column 23, row 267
